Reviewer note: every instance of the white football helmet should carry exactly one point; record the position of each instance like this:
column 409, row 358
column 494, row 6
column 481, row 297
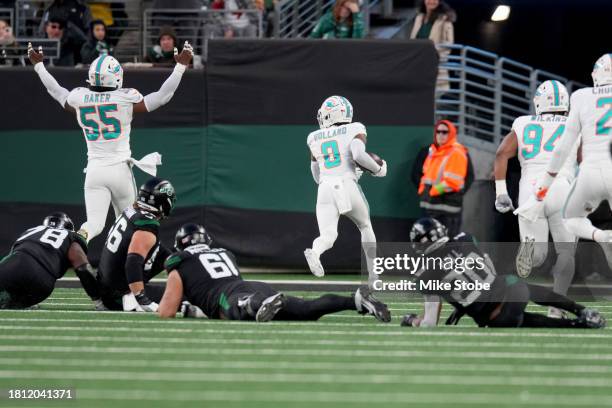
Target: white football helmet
column 551, row 96
column 602, row 71
column 105, row 71
column 335, row 109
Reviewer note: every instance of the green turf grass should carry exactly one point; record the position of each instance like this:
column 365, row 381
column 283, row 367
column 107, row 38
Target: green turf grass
column 345, row 360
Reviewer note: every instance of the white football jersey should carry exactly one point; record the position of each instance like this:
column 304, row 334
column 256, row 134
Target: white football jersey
column 591, row 113
column 537, row 137
column 331, row 147
column 106, row 120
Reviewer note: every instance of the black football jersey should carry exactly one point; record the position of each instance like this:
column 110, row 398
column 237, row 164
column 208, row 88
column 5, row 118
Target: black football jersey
column 49, row 246
column 114, row 254
column 209, row 276
column 462, row 247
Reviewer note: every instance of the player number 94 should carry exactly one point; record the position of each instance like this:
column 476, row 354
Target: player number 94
column 25, row 393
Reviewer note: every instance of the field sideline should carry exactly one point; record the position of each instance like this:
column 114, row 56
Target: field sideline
column 128, row 360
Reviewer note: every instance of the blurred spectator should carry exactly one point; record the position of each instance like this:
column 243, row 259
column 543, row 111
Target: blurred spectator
column 268, row 14
column 163, row 52
column 445, row 176
column 71, row 41
column 96, row 44
column 8, row 47
column 344, row 20
column 114, row 17
column 434, row 21
column 73, row 12
column 240, row 24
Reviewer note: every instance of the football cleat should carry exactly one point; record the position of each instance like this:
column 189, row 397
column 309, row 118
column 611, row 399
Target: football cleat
column 591, row 319
column 409, row 320
column 524, row 258
column 367, row 303
column 99, row 306
column 270, row 307
column 314, row 263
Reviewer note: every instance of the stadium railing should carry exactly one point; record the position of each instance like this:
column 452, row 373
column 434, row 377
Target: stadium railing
column 8, row 15
column 487, row 92
column 195, row 26
column 125, row 32
column 19, row 50
column 297, row 18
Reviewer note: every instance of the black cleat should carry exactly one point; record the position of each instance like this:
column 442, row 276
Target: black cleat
column 591, row 319
column 270, row 307
column 367, row 303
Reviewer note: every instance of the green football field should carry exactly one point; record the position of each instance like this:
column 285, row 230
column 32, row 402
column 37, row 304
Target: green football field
column 136, row 360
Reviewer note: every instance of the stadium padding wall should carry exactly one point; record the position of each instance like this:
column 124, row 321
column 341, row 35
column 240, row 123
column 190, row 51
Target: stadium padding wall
column 233, row 142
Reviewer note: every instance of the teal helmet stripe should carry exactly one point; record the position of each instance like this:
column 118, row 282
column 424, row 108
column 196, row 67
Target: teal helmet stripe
column 98, row 68
column 349, row 113
column 556, row 90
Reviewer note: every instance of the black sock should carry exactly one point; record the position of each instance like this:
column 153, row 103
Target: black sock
column 546, row 297
column 538, row 320
column 300, row 309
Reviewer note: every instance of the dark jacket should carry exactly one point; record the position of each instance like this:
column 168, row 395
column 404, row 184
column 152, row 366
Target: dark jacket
column 93, row 48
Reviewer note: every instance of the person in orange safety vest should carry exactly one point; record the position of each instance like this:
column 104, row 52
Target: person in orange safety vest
column 443, row 182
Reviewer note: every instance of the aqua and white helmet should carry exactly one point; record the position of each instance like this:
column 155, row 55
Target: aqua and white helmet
column 105, row 71
column 551, row 96
column 602, row 71
column 335, row 109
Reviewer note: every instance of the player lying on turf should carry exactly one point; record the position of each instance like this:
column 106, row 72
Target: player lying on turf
column 104, row 110
column 483, row 305
column 40, row 257
column 209, row 279
column 133, row 253
column 335, row 150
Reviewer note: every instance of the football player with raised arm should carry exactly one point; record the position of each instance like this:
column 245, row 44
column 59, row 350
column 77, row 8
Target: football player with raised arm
column 335, row 150
column 590, row 115
column 502, row 305
column 41, row 256
column 133, row 253
column 209, row 278
column 534, row 138
column 104, row 110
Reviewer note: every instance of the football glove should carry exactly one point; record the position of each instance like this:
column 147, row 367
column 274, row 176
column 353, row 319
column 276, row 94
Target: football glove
column 145, row 303
column 382, row 172
column 503, row 203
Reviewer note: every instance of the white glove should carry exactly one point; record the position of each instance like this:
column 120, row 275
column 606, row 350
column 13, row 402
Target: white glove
column 383, row 170
column 531, row 210
column 358, row 172
column 503, row 203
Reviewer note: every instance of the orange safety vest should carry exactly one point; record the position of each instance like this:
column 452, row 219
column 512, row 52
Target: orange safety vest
column 446, row 165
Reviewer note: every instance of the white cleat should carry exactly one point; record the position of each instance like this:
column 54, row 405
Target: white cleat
column 314, row 263
column 524, row 258
column 555, row 313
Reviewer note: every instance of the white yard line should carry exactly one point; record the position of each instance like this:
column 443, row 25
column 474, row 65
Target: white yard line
column 303, row 365
column 215, row 342
column 316, row 378
column 363, row 398
column 583, row 356
column 202, row 325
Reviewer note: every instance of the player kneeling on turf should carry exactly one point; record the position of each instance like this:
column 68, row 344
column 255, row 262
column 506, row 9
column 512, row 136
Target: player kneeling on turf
column 209, row 278
column 133, row 253
column 40, row 257
column 484, row 306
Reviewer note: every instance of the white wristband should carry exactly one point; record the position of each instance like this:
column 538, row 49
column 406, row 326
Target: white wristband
column 500, row 188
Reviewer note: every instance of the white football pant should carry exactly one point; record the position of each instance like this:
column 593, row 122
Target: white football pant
column 105, row 185
column 342, row 196
column 564, row 240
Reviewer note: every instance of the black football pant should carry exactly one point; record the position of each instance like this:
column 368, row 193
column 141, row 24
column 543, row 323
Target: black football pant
column 294, row 308
column 513, row 313
column 23, row 282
